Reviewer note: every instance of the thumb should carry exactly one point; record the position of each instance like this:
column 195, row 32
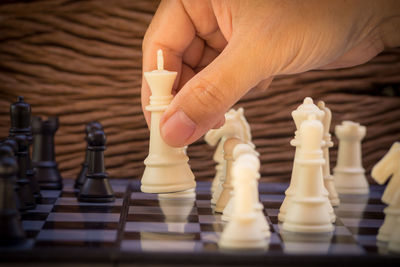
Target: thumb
column 203, row 100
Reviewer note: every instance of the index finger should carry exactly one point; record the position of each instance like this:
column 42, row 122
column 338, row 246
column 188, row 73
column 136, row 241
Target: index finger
column 172, row 31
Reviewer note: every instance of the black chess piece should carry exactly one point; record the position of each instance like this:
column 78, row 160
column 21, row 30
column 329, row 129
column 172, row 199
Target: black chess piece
column 80, row 179
column 9, row 148
column 12, row 144
column 25, row 193
column 43, row 158
column 11, row 232
column 96, row 188
column 20, row 115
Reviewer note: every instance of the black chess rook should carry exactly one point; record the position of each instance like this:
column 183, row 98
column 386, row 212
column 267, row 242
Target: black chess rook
column 43, row 157
column 80, row 179
column 96, row 187
column 11, row 232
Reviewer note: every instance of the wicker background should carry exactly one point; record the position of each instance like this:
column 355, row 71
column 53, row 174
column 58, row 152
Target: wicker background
column 81, row 61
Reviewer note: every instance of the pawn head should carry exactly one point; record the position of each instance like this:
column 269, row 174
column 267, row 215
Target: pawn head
column 97, row 138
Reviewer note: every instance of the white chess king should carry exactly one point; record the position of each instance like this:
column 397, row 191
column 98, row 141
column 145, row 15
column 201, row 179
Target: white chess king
column 167, row 169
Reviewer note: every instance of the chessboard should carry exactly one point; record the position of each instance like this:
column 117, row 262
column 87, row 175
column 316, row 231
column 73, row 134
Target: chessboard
column 144, row 228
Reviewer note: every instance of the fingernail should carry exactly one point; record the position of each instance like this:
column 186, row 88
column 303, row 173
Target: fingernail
column 178, row 129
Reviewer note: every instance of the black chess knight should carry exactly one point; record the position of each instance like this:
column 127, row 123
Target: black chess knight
column 96, row 188
column 80, row 179
column 43, row 159
column 20, row 116
column 11, row 232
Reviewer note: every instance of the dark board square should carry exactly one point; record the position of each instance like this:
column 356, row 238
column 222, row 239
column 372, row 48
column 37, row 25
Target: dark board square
column 81, row 225
column 87, row 209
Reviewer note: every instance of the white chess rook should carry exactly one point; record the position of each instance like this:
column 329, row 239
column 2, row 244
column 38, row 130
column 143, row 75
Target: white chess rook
column 299, row 115
column 227, row 187
column 167, row 169
column 243, row 230
column 328, row 177
column 308, row 211
column 349, row 175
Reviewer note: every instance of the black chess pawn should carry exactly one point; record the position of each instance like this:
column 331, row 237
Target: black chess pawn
column 25, row 193
column 96, row 188
column 9, row 148
column 11, row 232
column 43, row 158
column 80, row 179
column 20, row 115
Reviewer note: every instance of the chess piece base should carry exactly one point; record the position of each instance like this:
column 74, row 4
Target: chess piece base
column 96, row 190
column 167, row 179
column 48, row 176
column 308, row 215
column 11, row 232
column 242, row 235
column 351, row 181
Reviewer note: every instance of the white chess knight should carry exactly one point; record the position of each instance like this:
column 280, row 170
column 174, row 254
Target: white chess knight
column 349, row 174
column 244, row 230
column 299, row 115
column 328, row 177
column 235, row 125
column 389, row 166
column 167, row 169
column 308, row 211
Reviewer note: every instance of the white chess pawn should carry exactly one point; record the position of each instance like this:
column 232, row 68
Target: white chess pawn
column 299, row 115
column 328, row 177
column 349, row 174
column 308, row 211
column 227, row 187
column 243, row 230
column 167, row 169
column 240, row 149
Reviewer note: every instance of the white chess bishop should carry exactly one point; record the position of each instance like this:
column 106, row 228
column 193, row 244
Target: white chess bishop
column 299, row 115
column 328, row 177
column 349, row 174
column 227, row 186
column 167, row 169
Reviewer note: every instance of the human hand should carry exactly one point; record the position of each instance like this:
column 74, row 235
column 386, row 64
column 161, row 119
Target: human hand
column 222, row 49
